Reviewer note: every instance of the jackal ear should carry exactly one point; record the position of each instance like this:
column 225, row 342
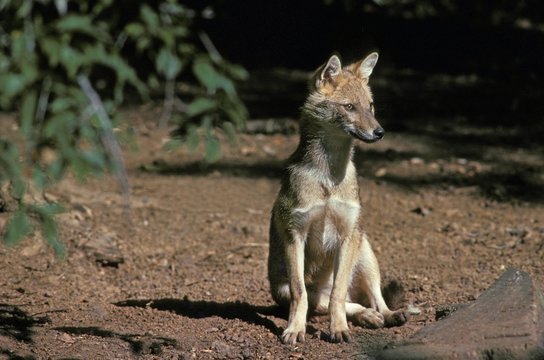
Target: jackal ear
column 331, row 69
column 367, row 65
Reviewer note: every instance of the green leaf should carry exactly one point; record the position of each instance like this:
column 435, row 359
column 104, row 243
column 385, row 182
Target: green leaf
column 83, row 24
column 50, row 233
column 39, row 178
column 61, row 124
column 192, row 138
column 168, row 64
column 27, row 112
column 17, row 228
column 51, row 47
column 25, row 9
column 213, row 149
column 74, row 22
column 49, row 209
column 94, row 158
column 18, row 48
column 46, row 213
column 18, row 188
column 70, row 59
column 57, row 169
column 167, row 36
column 236, row 71
column 205, row 72
column 81, row 169
column 135, row 30
column 230, row 131
column 143, row 43
column 172, row 144
column 150, row 17
column 212, row 145
column 11, row 85
column 4, row 3
column 236, row 111
column 200, row 105
column 208, row 76
column 61, row 104
column 125, row 73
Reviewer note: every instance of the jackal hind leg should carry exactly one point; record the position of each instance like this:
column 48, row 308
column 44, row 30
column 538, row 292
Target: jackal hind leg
column 356, row 313
column 366, row 284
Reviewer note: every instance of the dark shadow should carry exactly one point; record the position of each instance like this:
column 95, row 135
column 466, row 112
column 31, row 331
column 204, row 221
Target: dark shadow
column 503, row 178
column 271, row 169
column 522, row 184
column 203, row 309
column 12, row 355
column 140, row 345
column 17, row 324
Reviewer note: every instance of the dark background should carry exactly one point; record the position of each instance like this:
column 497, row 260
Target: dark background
column 475, row 62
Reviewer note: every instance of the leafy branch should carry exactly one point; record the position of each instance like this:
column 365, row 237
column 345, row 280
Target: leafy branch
column 66, row 68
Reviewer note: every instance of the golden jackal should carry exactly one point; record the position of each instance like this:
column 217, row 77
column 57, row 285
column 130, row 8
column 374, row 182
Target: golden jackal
column 319, row 258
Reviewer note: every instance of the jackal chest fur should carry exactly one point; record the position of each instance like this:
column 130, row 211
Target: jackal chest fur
column 327, row 212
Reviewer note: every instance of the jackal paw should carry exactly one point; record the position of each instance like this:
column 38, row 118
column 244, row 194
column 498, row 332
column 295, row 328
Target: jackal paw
column 340, row 336
column 369, row 318
column 291, row 337
column 395, row 318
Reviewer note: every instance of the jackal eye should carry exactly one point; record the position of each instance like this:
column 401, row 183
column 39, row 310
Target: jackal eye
column 349, row 107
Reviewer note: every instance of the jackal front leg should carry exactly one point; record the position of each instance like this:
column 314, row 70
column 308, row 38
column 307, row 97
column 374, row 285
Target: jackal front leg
column 298, row 308
column 343, row 268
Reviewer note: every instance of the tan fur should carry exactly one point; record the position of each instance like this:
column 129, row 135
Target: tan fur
column 319, row 259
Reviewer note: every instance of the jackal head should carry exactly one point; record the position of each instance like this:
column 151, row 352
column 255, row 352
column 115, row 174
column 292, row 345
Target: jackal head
column 341, row 96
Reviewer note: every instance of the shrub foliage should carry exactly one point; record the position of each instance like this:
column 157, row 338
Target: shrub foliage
column 67, row 66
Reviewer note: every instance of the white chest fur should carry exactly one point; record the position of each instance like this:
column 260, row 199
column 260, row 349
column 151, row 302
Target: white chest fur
column 327, row 222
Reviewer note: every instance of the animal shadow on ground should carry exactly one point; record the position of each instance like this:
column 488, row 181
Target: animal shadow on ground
column 203, row 309
column 140, row 345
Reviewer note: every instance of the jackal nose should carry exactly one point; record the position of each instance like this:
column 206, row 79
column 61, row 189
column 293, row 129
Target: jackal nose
column 379, row 133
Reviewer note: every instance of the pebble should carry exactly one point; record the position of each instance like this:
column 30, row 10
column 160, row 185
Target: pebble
column 413, row 310
column 66, row 338
column 421, row 210
column 381, row 172
column 417, row 161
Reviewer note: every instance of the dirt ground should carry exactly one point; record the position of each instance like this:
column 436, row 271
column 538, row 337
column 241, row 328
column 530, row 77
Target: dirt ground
column 183, row 276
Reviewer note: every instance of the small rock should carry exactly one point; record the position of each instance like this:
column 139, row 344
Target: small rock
column 66, row 338
column 381, row 172
column 268, row 150
column 296, row 356
column 417, row 161
column 83, row 210
column 105, row 250
column 247, row 151
column 413, row 310
column 423, row 211
column 443, row 311
column 434, row 166
column 33, row 249
column 221, row 348
column 462, row 161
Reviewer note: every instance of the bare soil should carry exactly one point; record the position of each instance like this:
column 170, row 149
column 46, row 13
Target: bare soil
column 183, row 275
